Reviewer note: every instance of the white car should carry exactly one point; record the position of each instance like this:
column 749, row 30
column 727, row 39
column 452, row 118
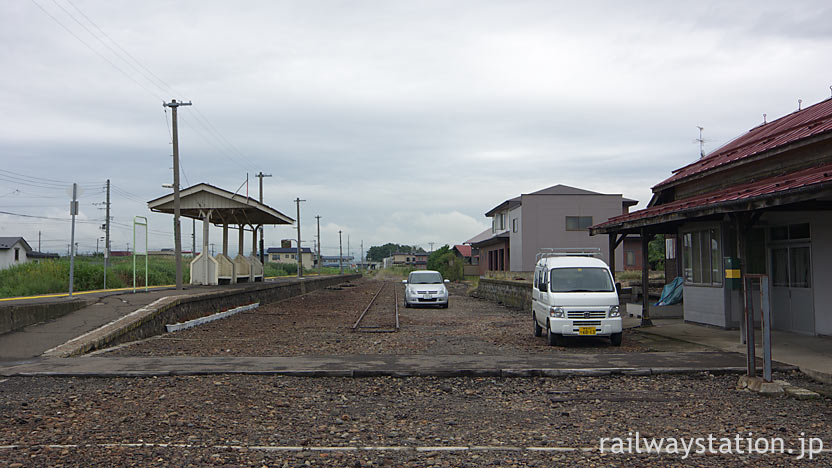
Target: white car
column 425, row 287
column 575, row 296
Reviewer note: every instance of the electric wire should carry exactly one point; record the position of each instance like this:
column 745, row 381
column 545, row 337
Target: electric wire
column 103, row 57
column 220, row 141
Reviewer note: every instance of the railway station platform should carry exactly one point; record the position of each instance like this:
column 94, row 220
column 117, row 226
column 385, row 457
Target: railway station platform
column 103, row 308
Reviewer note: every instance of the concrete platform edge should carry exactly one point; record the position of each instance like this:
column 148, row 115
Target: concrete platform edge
column 397, row 373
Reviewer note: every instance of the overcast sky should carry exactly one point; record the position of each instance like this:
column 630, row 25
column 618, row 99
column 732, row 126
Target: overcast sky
column 397, row 121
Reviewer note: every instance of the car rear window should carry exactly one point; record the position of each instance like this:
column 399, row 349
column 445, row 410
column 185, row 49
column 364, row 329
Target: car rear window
column 580, row 280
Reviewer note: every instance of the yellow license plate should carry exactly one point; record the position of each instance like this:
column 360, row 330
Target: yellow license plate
column 586, row 330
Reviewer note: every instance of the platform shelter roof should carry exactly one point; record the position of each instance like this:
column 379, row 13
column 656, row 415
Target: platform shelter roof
column 225, row 207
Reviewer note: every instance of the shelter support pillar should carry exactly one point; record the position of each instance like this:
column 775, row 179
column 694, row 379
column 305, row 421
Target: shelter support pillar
column 747, row 322
column 241, row 245
column 254, row 241
column 612, row 237
column 225, row 239
column 614, row 242
column 206, row 223
column 645, row 280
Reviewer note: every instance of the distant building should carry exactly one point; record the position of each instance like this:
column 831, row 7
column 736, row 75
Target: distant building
column 290, row 256
column 555, row 217
column 368, row 265
column 464, row 252
column 168, row 253
column 334, row 261
column 13, row 251
column 37, row 257
column 418, row 260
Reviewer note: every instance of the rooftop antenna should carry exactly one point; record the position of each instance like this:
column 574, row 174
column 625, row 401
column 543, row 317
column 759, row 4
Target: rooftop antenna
column 799, row 103
column 830, row 90
column 701, row 141
column 764, row 119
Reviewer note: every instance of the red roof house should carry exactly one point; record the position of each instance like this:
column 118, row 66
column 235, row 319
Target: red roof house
column 758, row 205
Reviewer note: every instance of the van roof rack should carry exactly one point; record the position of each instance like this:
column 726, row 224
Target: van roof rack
column 548, row 252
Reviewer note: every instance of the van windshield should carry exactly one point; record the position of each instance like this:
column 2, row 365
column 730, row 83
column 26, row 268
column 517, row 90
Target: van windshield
column 580, row 280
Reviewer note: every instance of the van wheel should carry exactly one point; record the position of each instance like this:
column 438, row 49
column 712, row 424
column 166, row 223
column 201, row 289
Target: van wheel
column 553, row 339
column 616, row 339
column 538, row 330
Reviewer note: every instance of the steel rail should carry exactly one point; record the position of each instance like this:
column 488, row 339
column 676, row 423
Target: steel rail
column 357, row 327
column 396, row 302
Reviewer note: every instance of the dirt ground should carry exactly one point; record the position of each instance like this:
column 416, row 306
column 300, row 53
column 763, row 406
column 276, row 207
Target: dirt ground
column 320, row 323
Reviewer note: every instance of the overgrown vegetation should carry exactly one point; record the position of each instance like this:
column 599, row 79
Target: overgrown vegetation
column 288, row 269
column 655, row 252
column 635, row 275
column 378, row 253
column 445, row 261
column 52, row 276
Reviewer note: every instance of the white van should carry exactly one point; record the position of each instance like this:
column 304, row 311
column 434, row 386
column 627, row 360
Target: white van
column 574, row 295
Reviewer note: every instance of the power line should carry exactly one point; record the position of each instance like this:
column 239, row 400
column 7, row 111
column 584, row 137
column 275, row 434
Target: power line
column 41, row 179
column 65, row 27
column 230, row 145
column 217, row 143
column 87, row 221
column 164, row 86
column 220, row 141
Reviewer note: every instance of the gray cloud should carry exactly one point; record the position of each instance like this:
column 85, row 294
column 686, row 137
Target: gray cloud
column 397, row 121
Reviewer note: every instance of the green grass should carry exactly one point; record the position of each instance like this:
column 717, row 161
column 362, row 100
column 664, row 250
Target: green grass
column 52, row 276
column 630, row 275
column 286, row 269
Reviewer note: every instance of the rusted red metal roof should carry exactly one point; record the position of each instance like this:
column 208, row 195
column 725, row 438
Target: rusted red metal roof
column 811, row 121
column 464, row 250
column 737, row 193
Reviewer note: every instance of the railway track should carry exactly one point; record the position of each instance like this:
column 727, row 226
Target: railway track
column 382, row 313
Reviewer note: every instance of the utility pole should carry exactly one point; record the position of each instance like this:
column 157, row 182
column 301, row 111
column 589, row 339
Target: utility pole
column 212, row 249
column 349, row 252
column 431, row 246
column 340, row 254
column 260, row 176
column 73, row 210
column 300, row 259
column 320, row 260
column 177, row 233
column 107, row 234
column 362, row 254
column 39, row 250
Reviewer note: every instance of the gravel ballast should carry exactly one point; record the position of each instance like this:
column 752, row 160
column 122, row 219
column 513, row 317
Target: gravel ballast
column 273, row 420
column 320, row 323
column 292, row 421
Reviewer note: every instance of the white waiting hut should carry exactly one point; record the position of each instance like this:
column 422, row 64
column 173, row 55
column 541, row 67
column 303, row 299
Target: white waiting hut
column 223, row 208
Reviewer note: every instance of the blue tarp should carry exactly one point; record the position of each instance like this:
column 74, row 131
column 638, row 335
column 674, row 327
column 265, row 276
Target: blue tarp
column 672, row 292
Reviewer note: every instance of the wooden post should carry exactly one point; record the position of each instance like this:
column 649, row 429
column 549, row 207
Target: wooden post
column 645, row 280
column 612, row 245
column 748, row 316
